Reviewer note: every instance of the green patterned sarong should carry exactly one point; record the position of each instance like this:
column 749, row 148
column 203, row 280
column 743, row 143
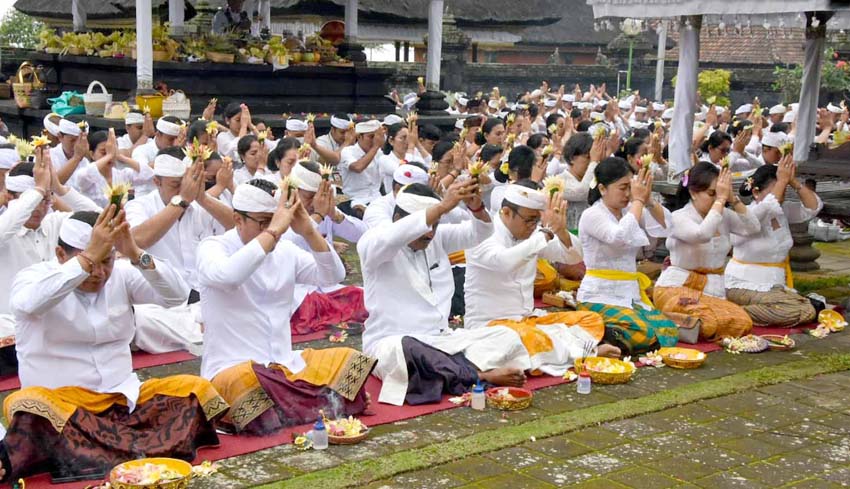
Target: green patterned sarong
column 634, row 330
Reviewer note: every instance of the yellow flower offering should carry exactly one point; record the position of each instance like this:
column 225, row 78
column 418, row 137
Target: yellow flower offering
column 24, row 149
column 146, row 109
column 505, row 168
column 548, row 149
column 839, row 138
column 290, row 184
column 262, row 136
column 599, row 131
column 786, row 148
column 326, row 171
column 832, row 320
column 420, row 80
column 553, row 128
column 118, row 193
column 509, row 141
column 348, row 427
column 476, row 168
column 711, row 100
column 311, row 118
column 463, row 133
column 646, row 160
column 552, row 185
column 433, row 169
column 212, row 128
column 757, row 112
column 38, row 141
column 724, row 163
column 510, row 119
column 197, row 150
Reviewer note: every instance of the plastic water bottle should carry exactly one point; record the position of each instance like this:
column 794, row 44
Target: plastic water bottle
column 320, row 435
column 478, row 401
column 583, row 384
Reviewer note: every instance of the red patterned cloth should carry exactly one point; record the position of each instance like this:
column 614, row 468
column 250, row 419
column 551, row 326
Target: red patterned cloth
column 320, row 310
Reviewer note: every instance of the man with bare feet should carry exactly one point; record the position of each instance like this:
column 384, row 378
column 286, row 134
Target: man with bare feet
column 408, row 286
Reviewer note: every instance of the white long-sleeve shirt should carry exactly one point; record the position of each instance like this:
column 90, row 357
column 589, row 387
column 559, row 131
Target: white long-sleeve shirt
column 608, row 243
column 66, row 337
column 226, row 143
column 60, row 160
column 92, row 184
column 500, row 274
column 770, row 245
column 20, row 246
column 247, row 299
column 409, row 292
column 180, row 243
column 575, row 193
column 380, row 211
column 363, row 187
column 703, row 243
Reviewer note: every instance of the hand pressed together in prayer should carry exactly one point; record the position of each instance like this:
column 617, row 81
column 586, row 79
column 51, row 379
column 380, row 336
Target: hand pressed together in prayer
column 554, row 216
column 209, row 110
column 110, row 226
column 786, row 170
column 460, row 191
column 42, row 171
column 192, row 184
column 224, row 175
column 81, row 147
column 323, row 201
column 641, row 186
column 724, row 186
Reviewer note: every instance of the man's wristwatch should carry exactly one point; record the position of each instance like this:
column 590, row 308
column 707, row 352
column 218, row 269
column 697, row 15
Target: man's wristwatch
column 145, row 261
column 550, row 235
column 179, row 202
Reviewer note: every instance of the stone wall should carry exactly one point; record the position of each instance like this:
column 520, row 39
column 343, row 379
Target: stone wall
column 747, row 82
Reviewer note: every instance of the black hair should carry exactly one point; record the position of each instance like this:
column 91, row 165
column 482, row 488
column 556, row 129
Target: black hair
column 780, row 127
column 310, row 166
column 521, row 160
column 630, row 148
column 715, row 140
column 419, row 189
column 440, row 150
column 392, row 131
column 474, row 121
column 88, row 217
column 172, row 151
column 609, row 171
column 244, row 144
column 23, row 168
column 265, row 185
column 96, row 138
column 699, row 179
column 584, row 126
column 641, row 133
column 552, row 119
column 487, row 128
column 533, row 111
column 451, row 137
column 761, row 179
column 525, row 182
column 430, row 132
column 578, row 144
column 536, row 140
column 738, row 126
column 257, row 122
column 575, row 113
column 488, row 151
column 287, row 143
column 233, row 109
column 196, row 130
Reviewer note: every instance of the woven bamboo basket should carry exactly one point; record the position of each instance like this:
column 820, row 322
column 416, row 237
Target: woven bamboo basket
column 220, row 57
column 348, row 440
column 695, row 358
column 522, row 398
column 605, row 378
column 179, row 466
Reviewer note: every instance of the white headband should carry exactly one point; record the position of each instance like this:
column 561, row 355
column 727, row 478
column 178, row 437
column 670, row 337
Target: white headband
column 168, row 128
column 8, row 158
column 20, row 183
column 367, row 127
column 525, row 197
column 248, row 198
column 134, row 118
column 774, row 139
column 640, row 110
column 307, row 180
column 295, row 125
column 658, row 107
column 462, row 101
column 340, row 123
column 75, row 233
column 51, row 126
column 168, row 166
column 411, row 203
column 834, row 108
column 391, row 119
column 69, row 128
column 407, row 174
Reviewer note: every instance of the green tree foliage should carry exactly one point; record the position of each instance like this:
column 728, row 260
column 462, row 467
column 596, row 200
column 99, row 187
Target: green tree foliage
column 714, row 86
column 19, row 30
column 834, row 77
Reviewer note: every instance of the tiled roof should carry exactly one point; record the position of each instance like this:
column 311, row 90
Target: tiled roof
column 754, row 45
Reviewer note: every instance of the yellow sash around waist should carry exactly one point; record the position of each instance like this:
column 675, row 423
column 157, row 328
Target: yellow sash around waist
column 789, row 279
column 457, row 258
column 643, row 281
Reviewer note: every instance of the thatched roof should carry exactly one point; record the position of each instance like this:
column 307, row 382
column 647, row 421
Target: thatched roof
column 500, row 13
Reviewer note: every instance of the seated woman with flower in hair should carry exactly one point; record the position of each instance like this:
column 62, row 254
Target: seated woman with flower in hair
column 758, row 277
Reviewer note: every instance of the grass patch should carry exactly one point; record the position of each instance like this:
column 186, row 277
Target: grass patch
column 805, row 286
column 363, row 472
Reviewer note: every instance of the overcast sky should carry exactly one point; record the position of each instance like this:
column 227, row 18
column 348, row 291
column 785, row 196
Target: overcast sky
column 5, row 5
